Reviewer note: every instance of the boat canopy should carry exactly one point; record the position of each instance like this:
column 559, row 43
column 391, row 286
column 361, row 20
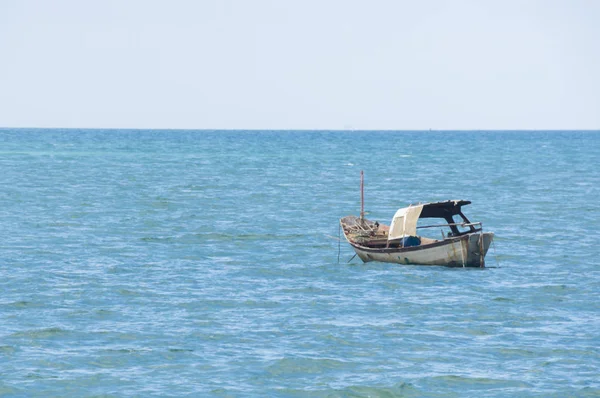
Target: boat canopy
column 404, row 222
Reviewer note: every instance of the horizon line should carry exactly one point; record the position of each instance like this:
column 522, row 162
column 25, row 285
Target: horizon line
column 302, row 129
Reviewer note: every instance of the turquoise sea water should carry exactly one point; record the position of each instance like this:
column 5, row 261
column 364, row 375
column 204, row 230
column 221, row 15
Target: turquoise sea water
column 203, row 263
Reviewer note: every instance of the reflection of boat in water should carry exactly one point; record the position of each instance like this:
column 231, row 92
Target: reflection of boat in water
column 462, row 243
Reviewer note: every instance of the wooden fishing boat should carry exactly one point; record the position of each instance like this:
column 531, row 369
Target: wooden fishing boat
column 461, row 243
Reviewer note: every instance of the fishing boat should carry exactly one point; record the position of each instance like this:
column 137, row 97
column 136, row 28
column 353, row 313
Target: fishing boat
column 408, row 239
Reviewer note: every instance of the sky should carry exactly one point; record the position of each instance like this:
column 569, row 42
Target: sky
column 300, row 64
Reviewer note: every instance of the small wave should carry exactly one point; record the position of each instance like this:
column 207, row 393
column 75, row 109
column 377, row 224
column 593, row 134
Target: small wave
column 337, row 341
column 476, row 332
column 37, row 376
column 502, row 299
column 41, row 333
column 454, row 381
column 203, row 237
column 517, row 352
column 4, row 390
column 23, row 304
column 304, row 290
column 304, row 365
column 7, row 349
column 157, row 239
column 127, row 292
column 399, row 390
column 259, row 304
column 555, row 288
column 127, row 350
column 268, row 237
column 180, row 350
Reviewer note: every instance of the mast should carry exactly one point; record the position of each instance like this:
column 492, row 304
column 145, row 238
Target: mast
column 362, row 196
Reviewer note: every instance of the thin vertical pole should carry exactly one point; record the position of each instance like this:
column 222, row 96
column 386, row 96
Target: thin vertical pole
column 362, row 195
column 339, row 240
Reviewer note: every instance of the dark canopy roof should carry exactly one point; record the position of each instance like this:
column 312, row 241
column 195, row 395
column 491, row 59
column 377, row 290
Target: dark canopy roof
column 443, row 209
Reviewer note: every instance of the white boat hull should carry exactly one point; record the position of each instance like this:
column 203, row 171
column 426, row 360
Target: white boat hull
column 464, row 251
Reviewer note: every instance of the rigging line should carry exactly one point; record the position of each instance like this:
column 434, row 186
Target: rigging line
column 495, row 255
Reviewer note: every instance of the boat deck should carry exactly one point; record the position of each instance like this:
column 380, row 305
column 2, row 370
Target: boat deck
column 372, row 234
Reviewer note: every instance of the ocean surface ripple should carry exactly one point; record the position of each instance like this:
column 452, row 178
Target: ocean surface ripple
column 205, row 263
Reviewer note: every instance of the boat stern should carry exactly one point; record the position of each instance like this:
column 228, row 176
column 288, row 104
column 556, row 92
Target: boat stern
column 477, row 247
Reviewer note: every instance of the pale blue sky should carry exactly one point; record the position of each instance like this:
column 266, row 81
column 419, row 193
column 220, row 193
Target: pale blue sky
column 378, row 64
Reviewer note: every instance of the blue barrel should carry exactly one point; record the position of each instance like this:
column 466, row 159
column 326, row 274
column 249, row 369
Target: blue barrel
column 409, row 241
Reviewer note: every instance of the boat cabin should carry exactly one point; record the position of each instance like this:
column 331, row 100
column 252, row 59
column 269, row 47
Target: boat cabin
column 414, row 225
column 452, row 223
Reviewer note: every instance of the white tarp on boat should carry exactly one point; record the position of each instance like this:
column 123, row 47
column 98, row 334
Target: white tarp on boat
column 404, row 222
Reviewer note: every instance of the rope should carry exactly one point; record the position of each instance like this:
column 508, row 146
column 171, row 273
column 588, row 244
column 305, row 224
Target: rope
column 481, row 256
column 495, row 255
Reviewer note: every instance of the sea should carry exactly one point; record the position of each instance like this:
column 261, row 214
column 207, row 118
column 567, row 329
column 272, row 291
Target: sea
column 182, row 263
